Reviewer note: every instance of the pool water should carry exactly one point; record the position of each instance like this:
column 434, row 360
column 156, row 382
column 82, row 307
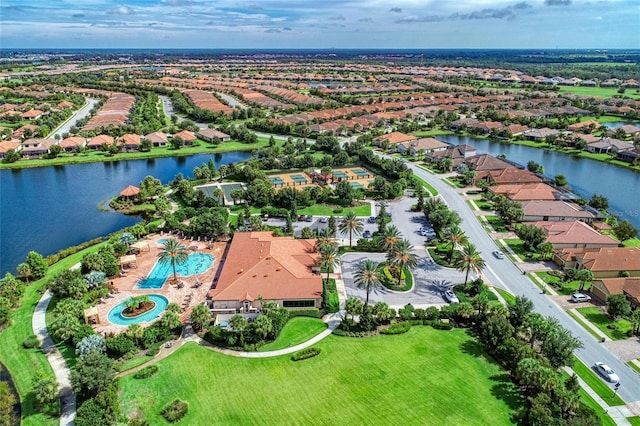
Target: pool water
column 115, row 314
column 196, row 263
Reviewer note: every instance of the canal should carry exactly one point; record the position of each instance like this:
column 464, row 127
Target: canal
column 47, row 209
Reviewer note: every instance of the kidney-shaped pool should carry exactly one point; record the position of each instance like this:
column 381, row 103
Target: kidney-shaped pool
column 115, row 314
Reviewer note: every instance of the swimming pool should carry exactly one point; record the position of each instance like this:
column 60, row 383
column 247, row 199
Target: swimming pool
column 196, row 263
column 115, row 314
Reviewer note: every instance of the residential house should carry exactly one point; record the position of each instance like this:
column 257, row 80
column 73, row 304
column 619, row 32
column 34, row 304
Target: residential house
column 96, row 142
column 516, row 129
column 540, row 134
column 458, row 153
column 34, row 148
column 629, row 286
column 158, row 139
column 32, row 114
column 483, row 162
column 508, row 176
column 607, row 145
column 555, row 211
column 574, row 234
column 527, row 191
column 587, row 126
column 422, row 145
column 630, row 130
column 7, row 145
column 611, row 262
column 211, row 135
column 25, row 132
column 129, row 142
column 260, row 267
column 187, row 136
column 394, row 138
column 630, row 155
column 72, row 143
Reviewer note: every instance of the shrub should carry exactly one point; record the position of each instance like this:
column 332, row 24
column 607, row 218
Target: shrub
column 154, row 349
column 338, row 210
column 31, row 342
column 442, row 325
column 313, row 313
column 305, row 354
column 119, row 345
column 146, row 372
column 431, row 313
column 175, row 411
column 398, row 328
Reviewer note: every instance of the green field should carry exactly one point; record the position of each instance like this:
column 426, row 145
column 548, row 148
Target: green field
column 602, row 321
column 297, row 330
column 422, row 377
column 599, row 92
column 327, row 210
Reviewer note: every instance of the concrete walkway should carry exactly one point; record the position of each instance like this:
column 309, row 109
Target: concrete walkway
column 589, row 325
column 58, row 364
column 617, row 413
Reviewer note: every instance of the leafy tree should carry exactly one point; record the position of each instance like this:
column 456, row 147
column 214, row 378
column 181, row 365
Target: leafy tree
column 599, row 202
column 45, row 390
column 95, row 279
column 534, row 167
column 350, row 225
column 583, row 275
column 5, row 312
column 11, row 156
column 200, row 316
column 519, row 310
column 69, row 283
column 7, row 401
column 173, row 252
column 367, row 277
column 635, row 321
column 307, row 233
column 89, row 344
column 93, row 374
column 444, row 218
column 618, row 305
column 65, row 326
column 135, row 332
column 382, row 312
column 12, row 289
column 545, row 250
column 625, row 231
column 469, row 259
column 24, row 270
column 239, row 324
column 401, row 257
column 531, row 235
column 495, row 330
column 37, row 264
column 353, row 306
column 560, row 180
column 331, row 227
column 558, row 345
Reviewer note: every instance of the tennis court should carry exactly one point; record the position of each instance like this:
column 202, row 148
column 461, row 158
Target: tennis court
column 276, row 181
column 298, row 179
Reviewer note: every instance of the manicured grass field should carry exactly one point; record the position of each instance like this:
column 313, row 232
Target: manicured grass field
column 603, row 389
column 566, row 288
column 496, row 223
column 508, row 297
column 296, row 331
column 600, row 320
column 430, row 190
column 425, row 376
column 584, row 325
column 599, row 92
column 327, row 210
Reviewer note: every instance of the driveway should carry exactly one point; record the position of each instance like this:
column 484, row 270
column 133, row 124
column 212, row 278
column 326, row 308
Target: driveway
column 430, row 281
column 77, row 116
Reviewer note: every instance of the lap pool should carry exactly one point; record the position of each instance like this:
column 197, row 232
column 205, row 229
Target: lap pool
column 115, row 314
column 196, row 263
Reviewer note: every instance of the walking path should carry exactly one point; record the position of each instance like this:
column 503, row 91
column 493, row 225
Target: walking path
column 617, row 413
column 58, row 364
column 589, row 324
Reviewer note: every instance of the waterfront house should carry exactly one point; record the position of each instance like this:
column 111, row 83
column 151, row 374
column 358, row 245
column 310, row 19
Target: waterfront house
column 7, row 145
column 483, row 162
column 555, row 211
column 458, row 153
column 629, row 155
column 35, row 148
column 508, row 176
column 540, row 135
column 158, row 139
column 423, row 144
column 72, row 143
column 394, row 138
column 527, row 191
column 211, row 135
column 97, row 142
column 610, row 262
column 609, row 145
column 129, row 142
column 260, row 267
column 574, row 234
column 187, row 136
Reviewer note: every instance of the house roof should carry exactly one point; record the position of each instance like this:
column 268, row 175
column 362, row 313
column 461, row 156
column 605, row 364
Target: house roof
column 612, row 259
column 574, row 232
column 129, row 139
column 486, row 162
column 157, row 137
column 186, row 135
column 212, row 133
column 100, row 139
column 629, row 285
column 510, row 175
column 72, row 141
column 259, row 264
column 396, row 137
column 424, row 143
column 130, row 191
column 554, row 209
column 527, row 191
column 7, row 145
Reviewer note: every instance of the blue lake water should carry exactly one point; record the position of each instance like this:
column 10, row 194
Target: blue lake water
column 115, row 314
column 586, row 177
column 47, row 209
column 196, row 263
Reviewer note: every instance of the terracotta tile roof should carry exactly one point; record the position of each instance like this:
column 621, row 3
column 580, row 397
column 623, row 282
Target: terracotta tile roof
column 574, row 232
column 72, row 142
column 630, row 285
column 129, row 140
column 186, row 135
column 7, row 145
column 259, row 264
column 396, row 137
column 157, row 137
column 527, row 191
column 555, row 209
column 510, row 175
column 612, row 259
column 212, row 133
column 100, row 139
column 486, row 162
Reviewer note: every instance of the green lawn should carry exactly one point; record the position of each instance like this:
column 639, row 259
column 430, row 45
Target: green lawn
column 590, row 402
column 431, row 191
column 517, row 245
column 508, row 297
column 599, row 92
column 133, row 362
column 566, row 288
column 425, row 376
column 634, row 366
column 602, row 321
column 327, row 210
column 496, row 223
column 602, row 388
column 297, row 330
column 633, row 242
column 584, row 325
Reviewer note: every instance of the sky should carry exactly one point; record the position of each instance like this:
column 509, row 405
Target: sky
column 322, row 24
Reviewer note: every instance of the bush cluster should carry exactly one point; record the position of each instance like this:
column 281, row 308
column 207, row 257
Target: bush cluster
column 313, row 313
column 175, row 411
column 305, row 354
column 398, row 328
column 31, row 342
column 347, row 333
column 146, row 372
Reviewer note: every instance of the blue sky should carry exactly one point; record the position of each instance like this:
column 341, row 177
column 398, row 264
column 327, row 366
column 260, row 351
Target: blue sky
column 320, row 24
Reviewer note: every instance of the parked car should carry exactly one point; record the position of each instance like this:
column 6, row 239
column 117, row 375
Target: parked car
column 428, row 233
column 366, row 234
column 605, row 371
column 451, row 297
column 302, row 218
column 309, row 218
column 324, row 219
column 499, row 254
column 372, row 219
column 580, row 297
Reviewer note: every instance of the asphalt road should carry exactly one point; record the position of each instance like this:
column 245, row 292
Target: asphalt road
column 77, row 116
column 503, row 273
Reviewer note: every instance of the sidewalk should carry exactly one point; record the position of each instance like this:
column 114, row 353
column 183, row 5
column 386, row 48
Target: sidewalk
column 589, row 324
column 58, row 364
column 618, row 413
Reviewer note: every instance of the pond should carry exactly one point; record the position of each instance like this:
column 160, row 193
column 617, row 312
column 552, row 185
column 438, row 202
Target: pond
column 47, row 209
column 586, row 177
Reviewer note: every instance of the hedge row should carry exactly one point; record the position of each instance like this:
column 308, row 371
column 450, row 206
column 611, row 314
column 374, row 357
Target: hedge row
column 398, row 328
column 345, row 333
column 305, row 354
column 146, row 372
column 313, row 313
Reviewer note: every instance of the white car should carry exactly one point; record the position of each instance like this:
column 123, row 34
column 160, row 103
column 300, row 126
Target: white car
column 498, row 254
column 605, row 371
column 428, row 232
column 580, row 297
column 451, row 297
column 324, row 219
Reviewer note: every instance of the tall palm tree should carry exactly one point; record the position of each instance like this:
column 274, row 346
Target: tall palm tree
column 391, row 237
column 218, row 193
column 401, row 257
column 468, row 260
column 175, row 253
column 328, row 258
column 367, row 277
column 454, row 236
column 351, row 225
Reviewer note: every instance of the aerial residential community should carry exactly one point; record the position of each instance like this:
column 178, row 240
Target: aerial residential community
column 324, row 214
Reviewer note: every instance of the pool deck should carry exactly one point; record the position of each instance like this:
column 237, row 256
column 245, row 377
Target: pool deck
column 187, row 297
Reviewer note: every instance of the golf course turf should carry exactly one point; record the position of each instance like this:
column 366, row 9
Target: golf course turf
column 425, row 376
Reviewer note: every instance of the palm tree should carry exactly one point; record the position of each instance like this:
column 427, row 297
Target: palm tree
column 367, row 277
column 454, row 236
column 328, row 258
column 173, row 252
column 351, row 225
column 24, row 270
column 391, row 237
column 583, row 276
column 401, row 257
column 127, row 238
column 218, row 193
column 135, row 332
column 352, row 306
column 468, row 260
column 263, row 326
